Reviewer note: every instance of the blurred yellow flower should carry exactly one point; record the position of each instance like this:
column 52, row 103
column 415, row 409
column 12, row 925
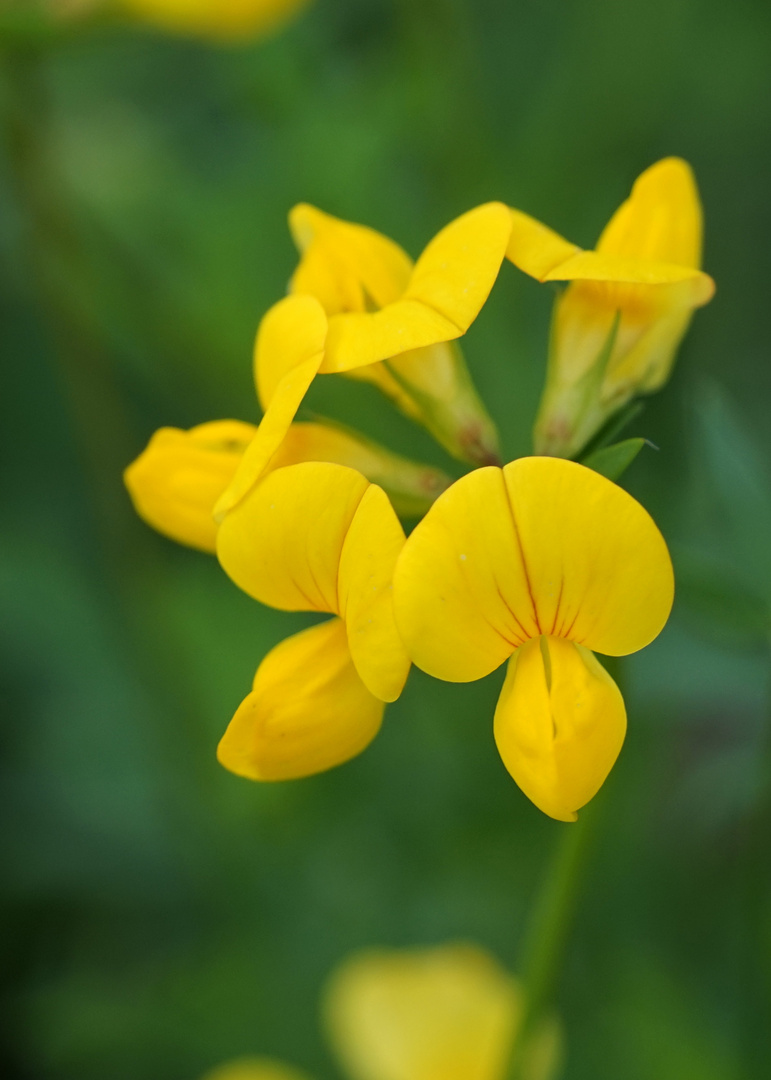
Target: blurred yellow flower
column 444, row 1013
column 538, row 563
column 315, row 537
column 618, row 324
column 255, row 1068
column 393, row 323
column 220, row 19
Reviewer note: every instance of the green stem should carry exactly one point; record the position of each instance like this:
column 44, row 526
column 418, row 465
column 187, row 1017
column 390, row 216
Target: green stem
column 549, row 928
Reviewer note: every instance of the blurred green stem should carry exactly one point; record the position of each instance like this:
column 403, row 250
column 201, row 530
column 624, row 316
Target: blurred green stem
column 548, row 931
column 54, row 253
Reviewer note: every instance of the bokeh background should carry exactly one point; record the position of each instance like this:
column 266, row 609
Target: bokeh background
column 161, row 915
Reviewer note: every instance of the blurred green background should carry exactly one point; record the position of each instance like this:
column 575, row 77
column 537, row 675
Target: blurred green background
column 161, row 915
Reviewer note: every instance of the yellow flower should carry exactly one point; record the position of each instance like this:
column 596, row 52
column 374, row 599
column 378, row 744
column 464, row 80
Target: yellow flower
column 393, row 323
column 219, row 19
column 315, row 537
column 180, row 476
column 444, row 1013
column 618, row 324
column 537, row 563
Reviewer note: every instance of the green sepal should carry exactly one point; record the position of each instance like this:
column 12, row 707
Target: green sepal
column 613, row 461
column 454, row 414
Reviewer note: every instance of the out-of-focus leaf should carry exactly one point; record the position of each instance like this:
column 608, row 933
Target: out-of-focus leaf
column 613, row 461
column 718, row 602
column 741, row 484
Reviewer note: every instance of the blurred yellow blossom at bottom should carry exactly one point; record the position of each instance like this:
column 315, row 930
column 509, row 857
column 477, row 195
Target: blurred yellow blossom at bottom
column 444, row 1013
column 224, row 19
column 255, row 1068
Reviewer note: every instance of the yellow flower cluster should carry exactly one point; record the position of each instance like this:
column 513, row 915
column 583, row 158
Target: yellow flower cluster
column 541, row 562
column 443, row 1013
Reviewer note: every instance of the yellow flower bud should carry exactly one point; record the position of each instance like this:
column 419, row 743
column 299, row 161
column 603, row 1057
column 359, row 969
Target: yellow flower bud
column 618, row 324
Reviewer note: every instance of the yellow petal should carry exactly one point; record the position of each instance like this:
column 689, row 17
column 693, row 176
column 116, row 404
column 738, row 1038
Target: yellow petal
column 410, row 486
column 291, row 339
column 257, row 1068
column 308, row 710
column 348, row 267
column 446, row 1013
column 365, row 592
column 597, row 266
column 450, row 283
column 282, row 543
column 229, row 20
column 461, row 597
column 535, row 248
column 661, row 219
column 597, row 566
column 542, row 546
column 177, row 479
column 292, row 332
column 320, row 537
column 559, row 725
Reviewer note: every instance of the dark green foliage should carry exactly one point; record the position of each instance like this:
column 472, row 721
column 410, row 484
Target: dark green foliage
column 163, row 915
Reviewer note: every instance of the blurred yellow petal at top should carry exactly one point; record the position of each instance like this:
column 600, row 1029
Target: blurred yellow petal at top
column 392, row 323
column 255, row 1068
column 618, row 324
column 540, row 561
column 224, row 20
column 444, row 1013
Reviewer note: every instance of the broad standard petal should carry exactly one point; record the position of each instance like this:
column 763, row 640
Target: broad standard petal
column 177, row 479
column 559, row 725
column 597, row 566
column 461, row 597
column 308, row 710
column 444, row 1013
column 544, row 546
column 291, row 339
column 450, row 283
column 282, row 544
column 365, row 594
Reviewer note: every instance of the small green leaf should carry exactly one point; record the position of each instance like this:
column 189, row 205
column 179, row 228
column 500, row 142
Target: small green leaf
column 613, row 461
